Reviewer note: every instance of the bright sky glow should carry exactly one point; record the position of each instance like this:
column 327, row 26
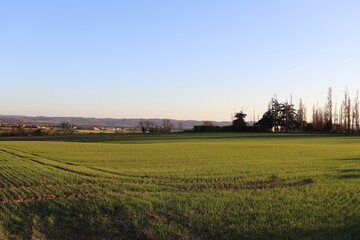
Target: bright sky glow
column 174, row 59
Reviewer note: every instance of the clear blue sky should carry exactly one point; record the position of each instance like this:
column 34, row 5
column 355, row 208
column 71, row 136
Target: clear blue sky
column 174, row 59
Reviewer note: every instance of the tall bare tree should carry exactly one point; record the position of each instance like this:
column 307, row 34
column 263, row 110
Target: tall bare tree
column 341, row 119
column 356, row 112
column 301, row 116
column 346, row 111
column 142, row 125
column 318, row 118
column 328, row 113
column 353, row 119
column 167, row 125
column 336, row 119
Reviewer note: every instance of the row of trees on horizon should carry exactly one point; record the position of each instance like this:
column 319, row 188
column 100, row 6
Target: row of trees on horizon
column 150, row 126
column 284, row 117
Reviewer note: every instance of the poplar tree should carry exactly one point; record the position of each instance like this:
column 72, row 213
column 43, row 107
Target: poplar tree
column 346, row 111
column 328, row 113
column 301, row 116
column 356, row 112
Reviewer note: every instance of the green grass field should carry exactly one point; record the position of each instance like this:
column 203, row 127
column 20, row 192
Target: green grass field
column 181, row 186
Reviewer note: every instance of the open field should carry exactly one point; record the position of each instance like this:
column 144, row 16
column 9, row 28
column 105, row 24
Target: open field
column 181, row 186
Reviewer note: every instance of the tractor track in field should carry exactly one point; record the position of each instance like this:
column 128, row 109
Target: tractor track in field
column 162, row 180
column 47, row 164
column 64, row 196
column 171, row 184
column 197, row 180
column 98, row 184
column 78, row 194
column 118, row 174
column 157, row 180
column 252, row 185
column 53, row 197
column 34, row 156
column 58, row 185
column 138, row 179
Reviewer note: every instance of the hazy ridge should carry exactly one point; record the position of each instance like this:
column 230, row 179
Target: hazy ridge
column 121, row 122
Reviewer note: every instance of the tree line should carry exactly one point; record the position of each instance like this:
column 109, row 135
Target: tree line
column 150, row 126
column 284, row 117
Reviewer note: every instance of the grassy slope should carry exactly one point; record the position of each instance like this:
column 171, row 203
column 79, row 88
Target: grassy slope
column 228, row 186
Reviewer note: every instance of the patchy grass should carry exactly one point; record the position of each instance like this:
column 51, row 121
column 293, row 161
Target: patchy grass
column 182, row 186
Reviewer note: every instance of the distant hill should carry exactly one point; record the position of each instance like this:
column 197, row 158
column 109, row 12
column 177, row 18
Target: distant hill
column 115, row 122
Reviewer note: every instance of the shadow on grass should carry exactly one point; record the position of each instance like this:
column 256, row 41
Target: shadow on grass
column 351, row 173
column 110, row 218
column 80, row 219
column 348, row 231
column 350, row 159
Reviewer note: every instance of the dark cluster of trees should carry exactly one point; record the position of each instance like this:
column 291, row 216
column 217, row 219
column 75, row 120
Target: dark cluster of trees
column 283, row 117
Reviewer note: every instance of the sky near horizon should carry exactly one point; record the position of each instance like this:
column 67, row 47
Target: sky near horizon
column 185, row 59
